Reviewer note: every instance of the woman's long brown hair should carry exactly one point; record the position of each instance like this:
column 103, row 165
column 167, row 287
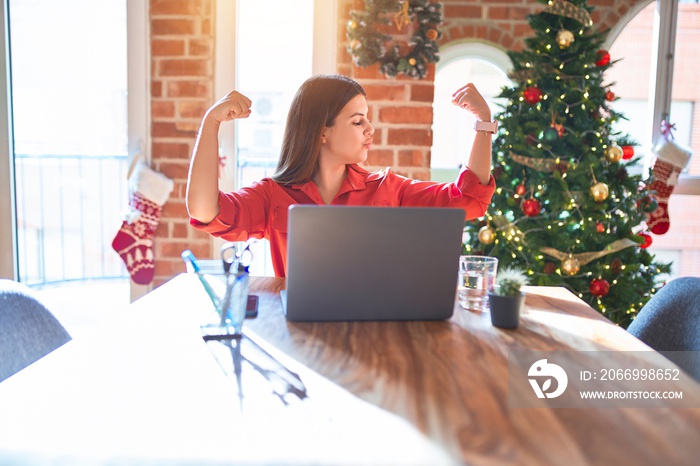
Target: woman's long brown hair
column 314, row 107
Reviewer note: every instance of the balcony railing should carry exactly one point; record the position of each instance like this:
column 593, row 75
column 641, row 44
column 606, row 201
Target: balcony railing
column 69, row 209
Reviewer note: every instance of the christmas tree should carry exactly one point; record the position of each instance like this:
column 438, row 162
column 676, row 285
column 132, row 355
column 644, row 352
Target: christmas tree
column 570, row 206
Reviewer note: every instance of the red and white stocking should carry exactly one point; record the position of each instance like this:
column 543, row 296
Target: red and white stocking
column 671, row 160
column 134, row 241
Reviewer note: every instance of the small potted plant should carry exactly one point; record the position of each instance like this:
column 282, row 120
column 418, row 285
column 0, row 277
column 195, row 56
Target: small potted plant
column 506, row 299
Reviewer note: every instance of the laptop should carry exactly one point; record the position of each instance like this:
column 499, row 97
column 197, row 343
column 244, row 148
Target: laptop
column 356, row 263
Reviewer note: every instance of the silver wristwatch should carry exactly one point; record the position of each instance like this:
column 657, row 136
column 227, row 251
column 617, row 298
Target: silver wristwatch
column 486, row 126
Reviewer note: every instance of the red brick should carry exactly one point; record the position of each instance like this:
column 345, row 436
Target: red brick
column 406, row 114
column 167, row 47
column 200, row 47
column 174, row 209
column 388, row 91
column 422, row 92
column 169, row 267
column 189, row 88
column 411, row 158
column 166, row 129
column 169, row 27
column 177, row 7
column 174, row 170
column 162, row 109
column 172, row 150
column 185, row 67
column 156, row 88
column 190, row 109
column 462, row 11
column 410, row 137
column 381, row 157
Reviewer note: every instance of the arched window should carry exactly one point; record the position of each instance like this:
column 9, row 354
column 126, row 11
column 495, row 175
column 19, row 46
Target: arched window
column 459, row 64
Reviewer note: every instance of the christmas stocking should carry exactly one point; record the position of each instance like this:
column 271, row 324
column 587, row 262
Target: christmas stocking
column 670, row 161
column 134, row 241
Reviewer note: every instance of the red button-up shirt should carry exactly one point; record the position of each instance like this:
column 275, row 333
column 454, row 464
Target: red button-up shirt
column 260, row 210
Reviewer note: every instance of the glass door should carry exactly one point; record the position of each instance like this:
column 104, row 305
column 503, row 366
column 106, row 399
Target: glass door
column 68, row 74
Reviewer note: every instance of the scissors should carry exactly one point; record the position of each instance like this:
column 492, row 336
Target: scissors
column 236, row 256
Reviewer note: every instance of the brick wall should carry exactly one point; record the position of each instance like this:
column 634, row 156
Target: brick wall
column 182, row 57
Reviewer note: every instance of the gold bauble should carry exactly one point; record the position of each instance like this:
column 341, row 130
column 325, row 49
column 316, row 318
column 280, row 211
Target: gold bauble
column 564, row 38
column 355, row 44
column 352, row 24
column 570, row 265
column 599, row 191
column 486, row 235
column 412, row 61
column 431, row 34
column 613, row 153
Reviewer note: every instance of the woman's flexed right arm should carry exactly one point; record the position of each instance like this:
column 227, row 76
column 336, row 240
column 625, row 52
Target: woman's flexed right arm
column 202, row 196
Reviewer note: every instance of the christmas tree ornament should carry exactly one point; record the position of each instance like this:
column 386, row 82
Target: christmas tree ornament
column 599, row 191
column 432, row 34
column 610, row 96
column 531, row 207
column 564, row 38
column 599, row 287
column 599, row 227
column 550, row 135
column 602, row 58
column 651, row 205
column 487, row 235
column 627, row 152
column 134, row 240
column 570, row 265
column 532, row 95
column 549, row 268
column 616, row 265
column 520, row 189
column 646, row 240
column 671, row 159
column 613, row 153
column 562, row 167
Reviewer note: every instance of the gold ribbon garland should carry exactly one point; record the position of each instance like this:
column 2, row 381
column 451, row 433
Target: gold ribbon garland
column 541, row 165
column 569, row 10
column 587, row 257
column 402, row 17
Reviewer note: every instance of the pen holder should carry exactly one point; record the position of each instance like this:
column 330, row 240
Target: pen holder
column 229, row 296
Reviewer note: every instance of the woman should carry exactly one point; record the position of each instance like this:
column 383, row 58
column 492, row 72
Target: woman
column 327, row 137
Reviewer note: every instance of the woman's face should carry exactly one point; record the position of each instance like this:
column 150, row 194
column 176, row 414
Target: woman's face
column 349, row 139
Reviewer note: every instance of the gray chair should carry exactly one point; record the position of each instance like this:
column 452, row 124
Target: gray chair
column 670, row 323
column 28, row 330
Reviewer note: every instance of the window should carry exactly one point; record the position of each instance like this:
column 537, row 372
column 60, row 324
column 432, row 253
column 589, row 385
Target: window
column 268, row 69
column 73, row 126
column 646, row 93
column 452, row 136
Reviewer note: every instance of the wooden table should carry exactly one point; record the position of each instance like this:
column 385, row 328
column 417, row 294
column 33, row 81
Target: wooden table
column 145, row 389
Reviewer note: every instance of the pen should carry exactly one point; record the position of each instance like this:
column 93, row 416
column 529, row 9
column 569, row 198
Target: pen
column 188, row 257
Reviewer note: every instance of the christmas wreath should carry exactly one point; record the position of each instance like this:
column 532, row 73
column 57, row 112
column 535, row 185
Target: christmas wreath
column 368, row 45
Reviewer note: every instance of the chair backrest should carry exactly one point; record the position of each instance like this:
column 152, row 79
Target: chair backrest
column 670, row 323
column 28, row 330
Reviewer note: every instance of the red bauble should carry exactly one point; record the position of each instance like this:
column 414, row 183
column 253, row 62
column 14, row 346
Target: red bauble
column 599, row 227
column 609, row 96
column 532, row 95
column 599, row 287
column 520, row 189
column 531, row 207
column 603, row 58
column 627, row 152
column 647, row 240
